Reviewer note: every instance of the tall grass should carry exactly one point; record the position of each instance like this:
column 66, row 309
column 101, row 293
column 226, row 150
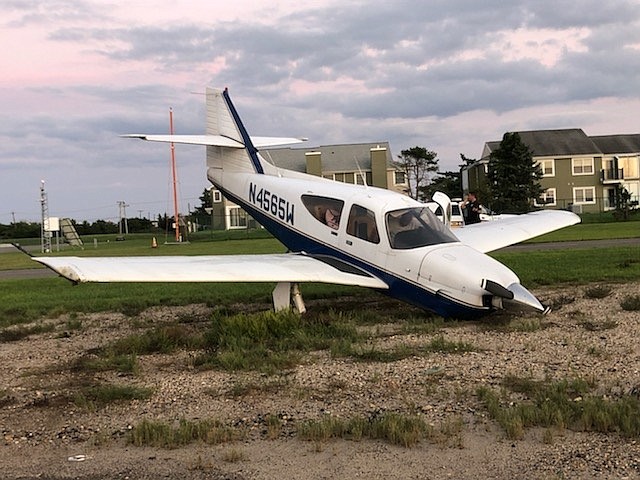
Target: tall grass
column 268, row 341
column 93, row 396
column 165, row 339
column 164, row 435
column 397, row 429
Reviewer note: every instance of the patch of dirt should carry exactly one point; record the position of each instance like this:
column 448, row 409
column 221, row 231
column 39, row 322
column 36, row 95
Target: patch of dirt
column 46, row 435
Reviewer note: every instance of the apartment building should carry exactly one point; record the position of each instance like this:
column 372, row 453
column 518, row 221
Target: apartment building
column 580, row 172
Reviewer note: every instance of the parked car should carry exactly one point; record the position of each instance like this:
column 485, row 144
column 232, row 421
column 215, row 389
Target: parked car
column 456, row 212
column 457, row 219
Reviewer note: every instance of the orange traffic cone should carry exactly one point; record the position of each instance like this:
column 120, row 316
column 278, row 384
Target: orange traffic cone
column 154, row 243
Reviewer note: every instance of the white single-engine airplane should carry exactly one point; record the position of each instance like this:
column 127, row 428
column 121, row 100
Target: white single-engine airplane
column 335, row 232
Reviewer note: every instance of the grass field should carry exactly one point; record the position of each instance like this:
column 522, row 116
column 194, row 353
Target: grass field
column 236, row 242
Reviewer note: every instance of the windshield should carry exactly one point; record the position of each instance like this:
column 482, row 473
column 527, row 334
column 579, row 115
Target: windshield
column 416, row 227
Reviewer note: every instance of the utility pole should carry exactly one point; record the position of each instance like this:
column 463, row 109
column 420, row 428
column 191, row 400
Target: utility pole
column 176, row 214
column 45, row 234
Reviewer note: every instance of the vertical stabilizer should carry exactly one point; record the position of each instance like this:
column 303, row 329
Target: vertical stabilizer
column 223, row 119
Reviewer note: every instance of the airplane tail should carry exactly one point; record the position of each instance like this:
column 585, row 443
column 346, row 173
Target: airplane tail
column 223, row 121
column 229, row 146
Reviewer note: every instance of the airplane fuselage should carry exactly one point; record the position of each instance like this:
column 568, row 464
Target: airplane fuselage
column 432, row 274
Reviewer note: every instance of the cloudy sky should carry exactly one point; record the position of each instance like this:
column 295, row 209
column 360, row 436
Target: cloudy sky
column 444, row 74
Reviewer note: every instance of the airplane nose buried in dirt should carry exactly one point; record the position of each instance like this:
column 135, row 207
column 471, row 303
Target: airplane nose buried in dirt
column 462, row 273
column 525, row 297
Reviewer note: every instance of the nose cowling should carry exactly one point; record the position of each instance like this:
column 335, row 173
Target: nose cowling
column 473, row 278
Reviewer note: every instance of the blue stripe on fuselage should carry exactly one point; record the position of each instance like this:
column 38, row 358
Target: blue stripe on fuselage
column 246, row 139
column 399, row 288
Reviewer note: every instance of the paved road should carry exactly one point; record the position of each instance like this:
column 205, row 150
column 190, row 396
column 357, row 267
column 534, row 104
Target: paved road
column 522, row 247
column 617, row 242
column 26, row 273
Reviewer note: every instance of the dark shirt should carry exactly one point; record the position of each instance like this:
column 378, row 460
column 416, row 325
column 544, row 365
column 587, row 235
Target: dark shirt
column 473, row 212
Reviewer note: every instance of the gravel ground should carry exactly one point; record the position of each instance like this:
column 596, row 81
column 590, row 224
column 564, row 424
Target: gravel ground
column 43, row 430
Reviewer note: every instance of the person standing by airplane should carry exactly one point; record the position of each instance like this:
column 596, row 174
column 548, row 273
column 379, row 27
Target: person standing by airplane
column 472, row 209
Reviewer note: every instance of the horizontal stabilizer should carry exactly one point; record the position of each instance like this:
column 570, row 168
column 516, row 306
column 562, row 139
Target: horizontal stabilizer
column 215, row 140
column 206, row 268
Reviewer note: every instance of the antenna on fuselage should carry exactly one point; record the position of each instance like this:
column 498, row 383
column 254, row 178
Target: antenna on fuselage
column 272, row 162
column 362, row 174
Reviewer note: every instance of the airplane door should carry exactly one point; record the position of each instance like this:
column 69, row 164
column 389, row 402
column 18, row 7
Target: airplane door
column 362, row 237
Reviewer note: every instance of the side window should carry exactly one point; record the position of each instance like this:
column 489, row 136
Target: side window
column 362, row 224
column 324, row 209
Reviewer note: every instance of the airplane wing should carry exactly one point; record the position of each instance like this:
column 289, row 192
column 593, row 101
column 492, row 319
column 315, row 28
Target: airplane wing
column 489, row 236
column 288, row 267
column 215, row 140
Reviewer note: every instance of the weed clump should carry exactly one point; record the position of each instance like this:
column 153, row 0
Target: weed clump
column 397, row 429
column 269, row 341
column 94, row 396
column 160, row 434
column 563, row 404
column 16, row 334
column 597, row 292
column 160, row 340
column 630, row 303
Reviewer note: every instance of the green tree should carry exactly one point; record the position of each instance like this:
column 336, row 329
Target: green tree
column 622, row 201
column 206, row 201
column 514, row 180
column 477, row 182
column 449, row 183
column 417, row 163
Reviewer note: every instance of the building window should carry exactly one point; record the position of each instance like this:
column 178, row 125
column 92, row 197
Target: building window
column 216, row 195
column 400, row 178
column 548, row 198
column 582, row 166
column 629, row 166
column 344, row 177
column 237, row 217
column 368, row 176
column 547, row 167
column 584, row 195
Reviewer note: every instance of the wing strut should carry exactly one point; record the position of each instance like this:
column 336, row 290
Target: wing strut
column 287, row 294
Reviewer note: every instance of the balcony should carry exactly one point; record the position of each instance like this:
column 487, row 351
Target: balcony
column 611, row 175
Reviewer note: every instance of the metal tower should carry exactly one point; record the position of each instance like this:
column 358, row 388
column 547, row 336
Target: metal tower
column 123, row 224
column 45, row 234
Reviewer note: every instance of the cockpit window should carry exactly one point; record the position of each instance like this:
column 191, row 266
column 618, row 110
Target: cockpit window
column 416, row 227
column 362, row 224
column 324, row 209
